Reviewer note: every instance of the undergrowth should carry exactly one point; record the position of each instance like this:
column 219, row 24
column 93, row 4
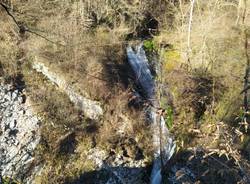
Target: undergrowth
column 85, row 42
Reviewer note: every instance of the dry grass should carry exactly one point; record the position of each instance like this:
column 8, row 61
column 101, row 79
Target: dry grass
column 62, row 131
column 122, row 122
column 86, row 46
column 217, row 55
column 8, row 48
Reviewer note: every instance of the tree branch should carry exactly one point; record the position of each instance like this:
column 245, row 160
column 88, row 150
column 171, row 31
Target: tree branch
column 23, row 29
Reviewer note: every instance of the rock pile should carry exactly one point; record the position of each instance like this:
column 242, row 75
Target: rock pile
column 19, row 133
column 114, row 169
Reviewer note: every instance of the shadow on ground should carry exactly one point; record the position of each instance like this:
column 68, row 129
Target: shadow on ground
column 117, row 175
column 198, row 167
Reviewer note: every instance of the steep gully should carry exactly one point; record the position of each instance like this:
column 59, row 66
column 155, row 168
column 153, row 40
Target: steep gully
column 162, row 141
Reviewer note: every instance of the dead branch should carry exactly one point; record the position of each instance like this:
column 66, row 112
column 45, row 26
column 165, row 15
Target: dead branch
column 22, row 28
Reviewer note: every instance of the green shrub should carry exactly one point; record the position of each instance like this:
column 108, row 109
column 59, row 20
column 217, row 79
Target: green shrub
column 8, row 180
column 149, row 45
column 169, row 117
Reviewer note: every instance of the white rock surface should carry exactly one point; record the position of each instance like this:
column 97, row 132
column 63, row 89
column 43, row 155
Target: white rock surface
column 97, row 156
column 91, row 109
column 19, row 133
column 121, row 170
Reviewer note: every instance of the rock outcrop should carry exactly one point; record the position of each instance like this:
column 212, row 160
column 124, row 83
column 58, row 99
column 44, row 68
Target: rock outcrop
column 19, row 133
column 91, row 109
column 117, row 168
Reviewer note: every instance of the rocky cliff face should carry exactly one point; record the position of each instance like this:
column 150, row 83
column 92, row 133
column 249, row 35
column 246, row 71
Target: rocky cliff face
column 19, row 133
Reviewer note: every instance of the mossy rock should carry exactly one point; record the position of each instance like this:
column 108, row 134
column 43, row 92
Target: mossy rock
column 171, row 59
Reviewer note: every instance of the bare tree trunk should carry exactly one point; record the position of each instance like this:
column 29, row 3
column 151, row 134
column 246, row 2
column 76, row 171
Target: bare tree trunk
column 181, row 9
column 244, row 14
column 239, row 12
column 246, row 48
column 189, row 31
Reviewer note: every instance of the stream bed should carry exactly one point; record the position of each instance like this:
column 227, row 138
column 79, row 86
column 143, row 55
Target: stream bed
column 162, row 141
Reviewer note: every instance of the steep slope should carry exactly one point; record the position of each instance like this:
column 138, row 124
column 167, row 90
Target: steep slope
column 69, row 59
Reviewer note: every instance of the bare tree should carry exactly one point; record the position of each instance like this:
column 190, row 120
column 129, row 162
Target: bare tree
column 189, row 30
column 246, row 48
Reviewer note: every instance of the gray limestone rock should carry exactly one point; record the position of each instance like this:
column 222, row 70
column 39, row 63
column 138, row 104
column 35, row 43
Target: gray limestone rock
column 91, row 109
column 19, row 133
